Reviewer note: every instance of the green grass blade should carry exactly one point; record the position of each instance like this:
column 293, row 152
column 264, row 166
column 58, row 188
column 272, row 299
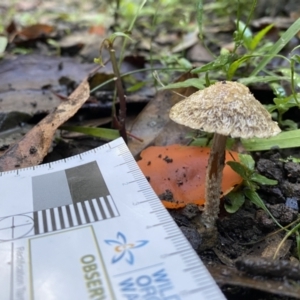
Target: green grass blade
column 104, row 133
column 283, row 40
column 259, row 36
column 287, row 139
column 199, row 11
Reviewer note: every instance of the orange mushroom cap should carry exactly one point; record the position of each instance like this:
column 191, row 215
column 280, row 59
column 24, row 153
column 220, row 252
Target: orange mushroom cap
column 177, row 173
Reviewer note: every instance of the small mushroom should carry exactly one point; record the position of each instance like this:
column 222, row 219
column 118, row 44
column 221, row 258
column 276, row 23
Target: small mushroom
column 227, row 109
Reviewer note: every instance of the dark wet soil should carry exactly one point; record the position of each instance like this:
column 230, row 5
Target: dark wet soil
column 248, row 239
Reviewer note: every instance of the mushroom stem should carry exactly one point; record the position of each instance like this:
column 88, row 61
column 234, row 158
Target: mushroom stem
column 214, row 174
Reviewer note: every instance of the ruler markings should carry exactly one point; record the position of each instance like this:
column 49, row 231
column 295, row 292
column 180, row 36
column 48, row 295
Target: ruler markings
column 163, row 219
column 44, row 221
column 36, row 222
column 188, row 255
column 181, row 247
column 180, row 242
column 155, row 204
column 73, row 219
column 118, row 165
column 129, row 182
column 131, row 163
column 86, row 204
column 40, row 223
column 113, row 206
column 105, row 208
column 142, row 184
column 171, row 230
column 189, row 261
column 80, row 210
column 137, row 171
column 200, row 277
column 179, row 235
column 160, row 224
column 111, row 213
column 56, row 217
column 78, row 218
column 104, row 216
column 69, row 215
column 91, row 204
column 160, row 211
column 86, row 215
column 178, row 238
column 169, row 224
column 140, row 180
column 190, row 269
column 97, row 209
column 48, row 219
column 127, row 156
column 176, row 253
column 138, row 270
column 146, row 190
column 52, row 219
column 62, row 217
column 146, row 201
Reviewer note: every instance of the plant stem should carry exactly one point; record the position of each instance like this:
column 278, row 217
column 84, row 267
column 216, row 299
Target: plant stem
column 120, row 92
column 213, row 182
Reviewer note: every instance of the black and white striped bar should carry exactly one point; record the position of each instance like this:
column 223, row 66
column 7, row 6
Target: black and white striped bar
column 72, row 215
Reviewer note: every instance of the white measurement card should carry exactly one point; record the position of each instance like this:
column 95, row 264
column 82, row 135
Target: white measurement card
column 91, row 227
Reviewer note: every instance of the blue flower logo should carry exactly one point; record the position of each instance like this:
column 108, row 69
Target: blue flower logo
column 124, row 249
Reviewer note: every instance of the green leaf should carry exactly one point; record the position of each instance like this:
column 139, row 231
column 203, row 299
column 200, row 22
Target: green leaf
column 289, row 124
column 247, row 161
column 285, row 103
column 104, row 133
column 239, row 168
column 237, row 199
column 236, row 64
column 262, row 180
column 195, row 82
column 287, row 139
column 258, row 37
column 298, row 243
column 136, row 86
column 217, row 64
column 200, row 142
column 118, row 34
column 285, row 38
column 254, row 198
column 244, row 33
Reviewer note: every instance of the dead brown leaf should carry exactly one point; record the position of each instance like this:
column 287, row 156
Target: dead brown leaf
column 151, row 122
column 34, row 32
column 33, row 147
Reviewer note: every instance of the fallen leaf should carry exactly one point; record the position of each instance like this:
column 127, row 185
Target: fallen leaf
column 28, row 82
column 33, row 147
column 178, row 172
column 152, row 122
column 34, row 32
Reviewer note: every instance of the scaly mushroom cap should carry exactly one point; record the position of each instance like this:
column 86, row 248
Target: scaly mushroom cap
column 227, row 108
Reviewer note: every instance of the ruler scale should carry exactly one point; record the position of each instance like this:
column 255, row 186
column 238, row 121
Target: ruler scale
column 91, row 227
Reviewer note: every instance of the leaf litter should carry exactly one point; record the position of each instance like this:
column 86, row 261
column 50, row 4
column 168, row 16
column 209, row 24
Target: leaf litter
column 34, row 146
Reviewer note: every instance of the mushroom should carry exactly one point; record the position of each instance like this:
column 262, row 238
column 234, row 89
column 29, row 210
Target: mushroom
column 226, row 109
